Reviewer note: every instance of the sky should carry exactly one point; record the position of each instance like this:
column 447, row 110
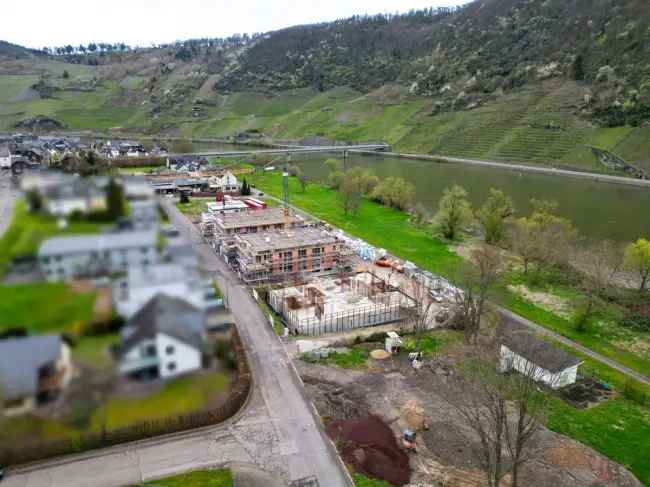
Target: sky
column 39, row 23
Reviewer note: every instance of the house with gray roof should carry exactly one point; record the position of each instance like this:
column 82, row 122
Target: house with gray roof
column 78, row 256
column 164, row 339
column 32, row 370
column 521, row 351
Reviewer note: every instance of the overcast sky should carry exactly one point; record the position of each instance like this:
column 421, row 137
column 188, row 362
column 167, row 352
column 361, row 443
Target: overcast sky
column 38, row 23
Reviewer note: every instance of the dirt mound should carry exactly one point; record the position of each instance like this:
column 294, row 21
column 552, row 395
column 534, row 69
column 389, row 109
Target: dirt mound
column 369, row 444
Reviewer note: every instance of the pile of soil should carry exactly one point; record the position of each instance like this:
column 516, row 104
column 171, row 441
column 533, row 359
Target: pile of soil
column 370, row 446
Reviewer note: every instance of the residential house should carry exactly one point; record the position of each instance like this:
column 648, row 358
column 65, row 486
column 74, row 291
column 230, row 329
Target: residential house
column 63, row 258
column 164, row 339
column 131, row 149
column 144, row 214
column 134, row 291
column 78, row 195
column 521, row 351
column 33, row 370
column 225, row 184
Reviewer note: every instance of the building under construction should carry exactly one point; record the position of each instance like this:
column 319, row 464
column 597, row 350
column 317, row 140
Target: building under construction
column 332, row 304
column 220, row 229
column 294, row 253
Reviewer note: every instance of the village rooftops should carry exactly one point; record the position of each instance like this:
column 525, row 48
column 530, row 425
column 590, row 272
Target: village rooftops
column 20, row 361
column 97, row 243
column 539, row 352
column 256, row 218
column 287, row 239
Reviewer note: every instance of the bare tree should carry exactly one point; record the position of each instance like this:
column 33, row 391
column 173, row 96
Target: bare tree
column 597, row 264
column 473, row 283
column 478, row 397
column 418, row 317
column 499, row 413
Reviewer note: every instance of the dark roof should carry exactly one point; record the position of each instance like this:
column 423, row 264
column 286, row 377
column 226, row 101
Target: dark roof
column 20, row 361
column 524, row 343
column 170, row 316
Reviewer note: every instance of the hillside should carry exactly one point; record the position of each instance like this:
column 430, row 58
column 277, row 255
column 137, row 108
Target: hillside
column 515, row 80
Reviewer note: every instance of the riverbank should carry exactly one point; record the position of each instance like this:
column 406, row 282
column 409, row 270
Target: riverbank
column 592, row 176
column 616, row 428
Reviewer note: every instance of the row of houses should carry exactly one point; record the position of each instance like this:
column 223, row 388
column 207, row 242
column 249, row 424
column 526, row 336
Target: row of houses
column 224, row 184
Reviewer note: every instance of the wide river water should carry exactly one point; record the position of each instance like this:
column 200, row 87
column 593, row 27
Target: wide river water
column 598, row 209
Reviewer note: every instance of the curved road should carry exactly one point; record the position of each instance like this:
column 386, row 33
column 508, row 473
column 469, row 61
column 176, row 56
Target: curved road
column 278, row 431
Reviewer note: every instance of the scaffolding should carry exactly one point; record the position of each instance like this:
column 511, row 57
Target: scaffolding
column 255, row 255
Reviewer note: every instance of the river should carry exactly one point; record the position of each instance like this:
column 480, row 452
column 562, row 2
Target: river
column 598, row 209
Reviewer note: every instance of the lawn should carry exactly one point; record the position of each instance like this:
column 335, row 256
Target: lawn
column 94, row 352
column 45, row 307
column 593, row 337
column 361, row 480
column 176, row 397
column 27, row 231
column 200, row 478
column 179, row 396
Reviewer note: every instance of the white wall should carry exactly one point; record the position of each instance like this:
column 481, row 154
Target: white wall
column 65, row 207
column 510, row 360
column 186, row 358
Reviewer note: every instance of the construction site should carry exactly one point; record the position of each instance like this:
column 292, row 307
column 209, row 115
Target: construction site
column 336, row 304
column 289, row 254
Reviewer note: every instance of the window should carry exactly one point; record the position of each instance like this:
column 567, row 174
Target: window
column 288, row 267
column 316, row 251
column 169, row 350
column 150, row 351
column 46, row 260
column 171, row 366
column 302, row 253
column 144, row 250
column 288, row 256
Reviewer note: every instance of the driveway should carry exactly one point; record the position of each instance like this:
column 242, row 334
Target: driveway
column 8, row 195
column 278, row 431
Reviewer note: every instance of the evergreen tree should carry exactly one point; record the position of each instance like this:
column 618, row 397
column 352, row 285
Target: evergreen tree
column 114, row 200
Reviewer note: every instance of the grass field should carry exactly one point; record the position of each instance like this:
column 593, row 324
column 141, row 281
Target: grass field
column 27, row 231
column 617, row 428
column 93, row 351
column 45, row 307
column 177, row 396
column 200, row 478
column 195, row 207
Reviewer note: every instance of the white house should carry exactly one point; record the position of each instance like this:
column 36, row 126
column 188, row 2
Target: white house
column 164, row 339
column 224, row 184
column 63, row 258
column 521, row 351
column 5, row 157
column 79, row 195
column 33, row 370
column 133, row 292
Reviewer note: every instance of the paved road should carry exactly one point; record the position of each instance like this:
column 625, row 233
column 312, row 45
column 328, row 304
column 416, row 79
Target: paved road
column 278, row 431
column 514, row 167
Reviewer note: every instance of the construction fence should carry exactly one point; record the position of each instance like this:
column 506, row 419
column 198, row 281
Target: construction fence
column 366, row 316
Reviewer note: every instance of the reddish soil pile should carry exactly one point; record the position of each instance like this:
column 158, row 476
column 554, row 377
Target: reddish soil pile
column 370, row 445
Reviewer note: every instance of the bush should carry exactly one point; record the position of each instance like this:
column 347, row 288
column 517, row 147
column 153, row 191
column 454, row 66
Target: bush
column 225, row 353
column 634, row 392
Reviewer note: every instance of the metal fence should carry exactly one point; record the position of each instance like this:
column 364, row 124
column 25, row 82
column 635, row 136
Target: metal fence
column 348, row 320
